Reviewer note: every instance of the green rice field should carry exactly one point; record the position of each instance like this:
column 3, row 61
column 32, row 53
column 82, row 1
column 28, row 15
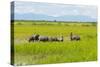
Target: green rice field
column 26, row 53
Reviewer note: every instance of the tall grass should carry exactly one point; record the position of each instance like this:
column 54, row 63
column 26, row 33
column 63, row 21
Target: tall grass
column 54, row 52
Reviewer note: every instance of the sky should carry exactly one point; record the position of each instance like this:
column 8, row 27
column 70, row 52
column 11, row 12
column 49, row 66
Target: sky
column 55, row 10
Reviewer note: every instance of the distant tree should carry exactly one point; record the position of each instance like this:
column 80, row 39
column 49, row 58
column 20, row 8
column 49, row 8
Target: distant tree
column 54, row 20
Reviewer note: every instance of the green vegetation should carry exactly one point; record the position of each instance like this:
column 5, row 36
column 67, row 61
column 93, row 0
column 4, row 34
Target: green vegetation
column 54, row 52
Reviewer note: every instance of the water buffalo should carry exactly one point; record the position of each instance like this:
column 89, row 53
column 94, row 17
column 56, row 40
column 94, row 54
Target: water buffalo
column 74, row 37
column 38, row 37
column 56, row 38
column 52, row 38
column 60, row 38
column 34, row 38
column 43, row 38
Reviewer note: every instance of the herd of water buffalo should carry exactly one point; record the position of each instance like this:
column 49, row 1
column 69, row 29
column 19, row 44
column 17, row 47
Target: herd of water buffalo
column 38, row 37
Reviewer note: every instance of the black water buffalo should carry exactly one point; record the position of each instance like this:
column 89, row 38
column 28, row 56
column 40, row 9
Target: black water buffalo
column 38, row 37
column 56, row 38
column 52, row 38
column 74, row 37
column 34, row 38
column 43, row 38
column 60, row 38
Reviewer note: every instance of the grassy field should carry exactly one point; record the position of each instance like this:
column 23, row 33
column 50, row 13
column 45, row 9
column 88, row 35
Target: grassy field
column 54, row 52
